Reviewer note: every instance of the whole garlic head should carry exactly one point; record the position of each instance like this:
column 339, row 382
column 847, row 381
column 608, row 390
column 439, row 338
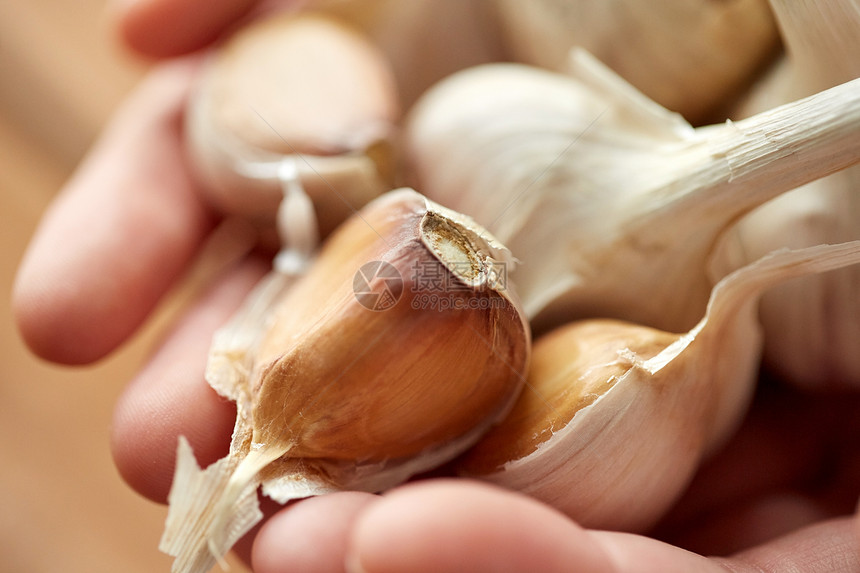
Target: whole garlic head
column 611, row 203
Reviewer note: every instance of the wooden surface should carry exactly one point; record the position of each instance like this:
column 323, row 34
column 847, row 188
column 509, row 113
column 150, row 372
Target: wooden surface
column 63, row 507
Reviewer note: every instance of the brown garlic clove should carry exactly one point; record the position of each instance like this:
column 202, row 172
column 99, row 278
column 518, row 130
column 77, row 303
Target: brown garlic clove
column 571, row 367
column 380, row 385
column 394, row 353
column 300, row 87
column 615, row 417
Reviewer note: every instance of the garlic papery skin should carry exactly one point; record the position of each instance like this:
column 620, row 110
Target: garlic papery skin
column 285, row 88
column 616, row 417
column 611, row 203
column 350, row 379
column 691, row 56
column 812, row 326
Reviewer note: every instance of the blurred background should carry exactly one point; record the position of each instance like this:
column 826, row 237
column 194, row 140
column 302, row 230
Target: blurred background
column 63, row 507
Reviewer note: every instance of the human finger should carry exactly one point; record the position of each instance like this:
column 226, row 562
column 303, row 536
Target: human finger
column 826, row 547
column 457, row 525
column 165, row 28
column 310, row 536
column 120, row 233
column 170, row 397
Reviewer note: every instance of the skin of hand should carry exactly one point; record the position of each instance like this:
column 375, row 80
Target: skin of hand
column 778, row 498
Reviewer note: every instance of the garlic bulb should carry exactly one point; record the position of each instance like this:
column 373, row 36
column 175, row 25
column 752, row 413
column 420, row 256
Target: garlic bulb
column 281, row 90
column 344, row 380
column 689, row 56
column 812, row 325
column 612, row 203
column 616, row 417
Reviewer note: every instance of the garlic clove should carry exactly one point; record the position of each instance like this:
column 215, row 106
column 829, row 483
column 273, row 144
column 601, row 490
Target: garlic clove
column 284, row 88
column 591, row 185
column 812, row 324
column 819, row 38
column 291, row 369
column 615, row 416
column 424, row 40
column 690, row 56
column 336, row 389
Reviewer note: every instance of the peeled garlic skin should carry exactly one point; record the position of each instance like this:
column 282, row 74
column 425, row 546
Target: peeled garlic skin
column 338, row 381
column 618, row 457
column 637, row 411
column 571, row 368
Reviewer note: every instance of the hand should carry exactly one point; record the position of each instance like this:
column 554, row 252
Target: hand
column 132, row 219
column 778, row 498
column 120, row 235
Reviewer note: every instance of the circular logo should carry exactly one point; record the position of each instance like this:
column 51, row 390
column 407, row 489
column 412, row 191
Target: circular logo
column 377, row 285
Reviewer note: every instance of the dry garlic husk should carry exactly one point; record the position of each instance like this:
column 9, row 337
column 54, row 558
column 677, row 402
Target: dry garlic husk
column 338, row 387
column 691, row 56
column 297, row 88
column 612, row 203
column 615, row 416
column 812, row 326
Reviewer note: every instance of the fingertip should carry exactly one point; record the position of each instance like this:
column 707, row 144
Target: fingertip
column 455, row 525
column 167, row 28
column 147, row 424
column 120, row 233
column 309, row 536
column 89, row 280
column 36, row 303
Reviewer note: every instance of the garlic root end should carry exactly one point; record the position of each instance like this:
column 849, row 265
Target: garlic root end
column 199, row 533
